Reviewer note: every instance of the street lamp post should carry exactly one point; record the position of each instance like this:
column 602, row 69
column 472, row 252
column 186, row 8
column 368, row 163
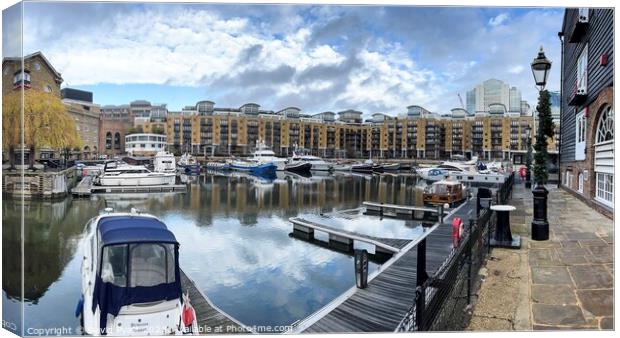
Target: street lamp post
column 540, row 225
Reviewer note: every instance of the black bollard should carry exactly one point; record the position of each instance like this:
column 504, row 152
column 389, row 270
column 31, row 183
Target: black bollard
column 361, row 269
column 540, row 224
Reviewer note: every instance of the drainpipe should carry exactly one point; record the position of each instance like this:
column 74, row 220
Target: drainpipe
column 561, row 37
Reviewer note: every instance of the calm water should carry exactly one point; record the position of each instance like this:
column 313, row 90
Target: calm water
column 235, row 243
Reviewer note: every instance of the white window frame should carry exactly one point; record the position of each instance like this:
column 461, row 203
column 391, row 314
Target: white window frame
column 605, row 188
column 580, row 182
column 582, row 71
column 603, row 158
column 580, row 136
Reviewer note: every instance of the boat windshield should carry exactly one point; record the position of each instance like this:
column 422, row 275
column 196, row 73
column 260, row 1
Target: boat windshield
column 150, row 264
column 439, row 189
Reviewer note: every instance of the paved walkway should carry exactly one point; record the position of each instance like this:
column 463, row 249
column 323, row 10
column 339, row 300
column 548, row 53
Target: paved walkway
column 563, row 283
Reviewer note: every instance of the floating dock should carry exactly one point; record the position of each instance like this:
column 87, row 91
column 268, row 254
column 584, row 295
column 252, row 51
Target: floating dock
column 211, row 320
column 344, row 238
column 382, row 305
column 86, row 188
column 413, row 211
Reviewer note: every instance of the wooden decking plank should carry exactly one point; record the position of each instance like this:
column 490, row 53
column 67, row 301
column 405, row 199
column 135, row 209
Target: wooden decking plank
column 207, row 315
column 388, row 297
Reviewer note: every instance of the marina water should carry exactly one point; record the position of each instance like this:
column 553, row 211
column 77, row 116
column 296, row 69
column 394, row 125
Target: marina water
column 235, row 243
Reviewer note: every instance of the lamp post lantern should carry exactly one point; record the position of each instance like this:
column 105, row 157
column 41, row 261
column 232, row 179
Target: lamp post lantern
column 540, row 69
column 540, row 225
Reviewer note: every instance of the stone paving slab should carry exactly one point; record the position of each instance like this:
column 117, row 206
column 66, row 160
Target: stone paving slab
column 550, row 275
column 553, row 294
column 597, row 302
column 569, row 284
column 558, row 314
column 591, row 277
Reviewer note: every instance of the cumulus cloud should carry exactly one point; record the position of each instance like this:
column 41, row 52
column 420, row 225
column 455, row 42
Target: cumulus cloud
column 314, row 57
column 499, row 19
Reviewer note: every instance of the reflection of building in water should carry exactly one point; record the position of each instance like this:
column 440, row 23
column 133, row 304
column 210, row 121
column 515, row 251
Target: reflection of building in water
column 246, row 197
column 51, row 236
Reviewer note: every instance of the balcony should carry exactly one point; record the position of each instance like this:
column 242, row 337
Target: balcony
column 578, row 96
column 580, row 26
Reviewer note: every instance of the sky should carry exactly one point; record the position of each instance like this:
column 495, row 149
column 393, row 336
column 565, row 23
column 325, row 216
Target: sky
column 377, row 59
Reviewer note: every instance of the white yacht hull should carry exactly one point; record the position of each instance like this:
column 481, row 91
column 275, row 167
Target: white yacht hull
column 138, row 179
column 321, row 166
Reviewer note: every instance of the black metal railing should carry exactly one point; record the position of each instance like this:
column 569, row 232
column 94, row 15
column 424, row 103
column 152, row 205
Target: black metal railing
column 440, row 300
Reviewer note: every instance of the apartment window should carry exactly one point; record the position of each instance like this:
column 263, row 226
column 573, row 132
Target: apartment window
column 580, row 136
column 582, row 72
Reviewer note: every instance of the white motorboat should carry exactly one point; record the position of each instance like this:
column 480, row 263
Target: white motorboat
column 264, row 155
column 164, row 162
column 188, row 164
column 317, row 163
column 431, row 174
column 391, row 166
column 115, row 174
column 131, row 281
column 342, row 167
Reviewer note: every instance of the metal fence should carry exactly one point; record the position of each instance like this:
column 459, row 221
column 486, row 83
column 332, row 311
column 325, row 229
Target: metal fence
column 442, row 301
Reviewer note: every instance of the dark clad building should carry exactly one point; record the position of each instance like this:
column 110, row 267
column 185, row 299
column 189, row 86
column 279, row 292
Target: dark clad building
column 587, row 127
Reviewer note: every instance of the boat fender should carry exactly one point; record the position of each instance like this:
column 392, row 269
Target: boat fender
column 457, row 231
column 187, row 314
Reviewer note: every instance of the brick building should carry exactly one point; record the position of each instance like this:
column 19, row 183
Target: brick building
column 86, row 115
column 38, row 73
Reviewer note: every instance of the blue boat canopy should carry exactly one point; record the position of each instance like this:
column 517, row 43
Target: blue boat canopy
column 133, row 229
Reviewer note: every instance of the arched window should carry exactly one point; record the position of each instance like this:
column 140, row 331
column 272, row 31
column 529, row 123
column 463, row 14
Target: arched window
column 605, row 127
column 580, row 182
column 604, row 157
column 108, row 140
column 117, row 140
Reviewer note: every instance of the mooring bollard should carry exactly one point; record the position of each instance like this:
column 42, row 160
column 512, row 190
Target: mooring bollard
column 361, row 269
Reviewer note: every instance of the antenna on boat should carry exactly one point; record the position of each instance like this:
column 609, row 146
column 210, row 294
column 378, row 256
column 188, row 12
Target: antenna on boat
column 108, row 210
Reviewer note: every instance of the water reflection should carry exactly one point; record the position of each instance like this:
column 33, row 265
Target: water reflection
column 234, row 235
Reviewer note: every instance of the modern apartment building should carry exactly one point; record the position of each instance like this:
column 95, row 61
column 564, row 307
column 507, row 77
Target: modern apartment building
column 418, row 133
column 493, row 92
column 587, row 116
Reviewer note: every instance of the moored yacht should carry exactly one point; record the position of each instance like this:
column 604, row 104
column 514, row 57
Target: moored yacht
column 253, row 166
column 188, row 163
column 317, row 163
column 164, row 162
column 119, row 174
column 298, row 167
column 263, row 155
column 131, row 281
